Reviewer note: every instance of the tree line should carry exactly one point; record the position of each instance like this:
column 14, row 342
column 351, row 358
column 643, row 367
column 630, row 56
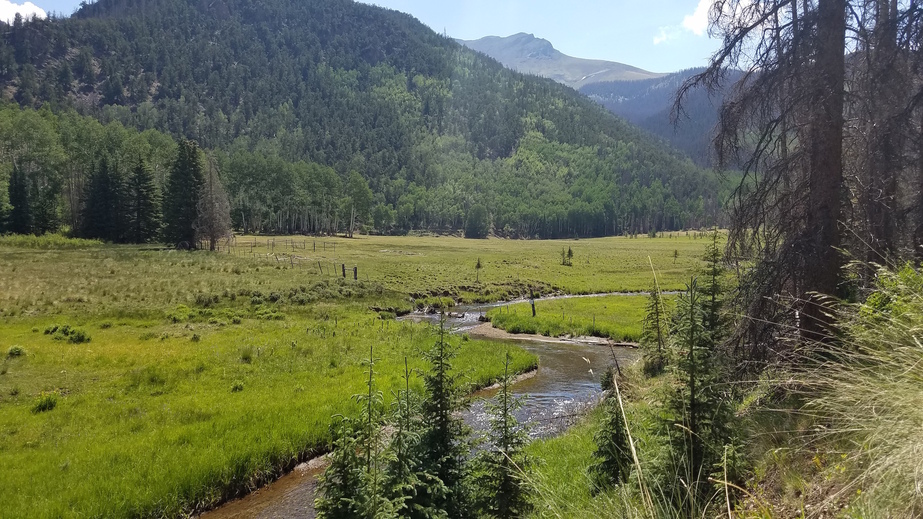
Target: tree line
column 77, row 175
column 114, row 195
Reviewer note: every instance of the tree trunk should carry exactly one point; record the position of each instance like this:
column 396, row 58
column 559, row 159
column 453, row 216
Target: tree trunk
column 822, row 261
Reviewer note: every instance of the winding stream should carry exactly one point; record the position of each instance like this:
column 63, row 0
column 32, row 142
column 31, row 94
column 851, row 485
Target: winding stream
column 565, row 384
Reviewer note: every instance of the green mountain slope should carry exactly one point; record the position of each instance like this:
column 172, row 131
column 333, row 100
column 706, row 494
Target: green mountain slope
column 285, row 88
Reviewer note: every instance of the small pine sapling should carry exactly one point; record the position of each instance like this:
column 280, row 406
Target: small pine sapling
column 654, row 331
column 501, row 471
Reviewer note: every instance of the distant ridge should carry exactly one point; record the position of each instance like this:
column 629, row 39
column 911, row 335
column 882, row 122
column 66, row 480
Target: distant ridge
column 530, row 55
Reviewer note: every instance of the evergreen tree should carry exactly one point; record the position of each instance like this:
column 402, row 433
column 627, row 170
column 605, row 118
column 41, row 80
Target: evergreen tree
column 100, row 216
column 406, row 476
column 181, row 200
column 654, row 331
column 612, row 455
column 142, row 204
column 353, row 484
column 445, row 442
column 20, row 218
column 45, row 217
column 697, row 414
column 501, row 484
column 338, row 486
column 477, row 225
column 214, row 210
column 715, row 321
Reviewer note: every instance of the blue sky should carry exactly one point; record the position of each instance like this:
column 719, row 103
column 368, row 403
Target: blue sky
column 657, row 35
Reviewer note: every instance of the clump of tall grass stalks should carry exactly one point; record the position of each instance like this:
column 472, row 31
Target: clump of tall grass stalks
column 868, row 394
column 46, row 242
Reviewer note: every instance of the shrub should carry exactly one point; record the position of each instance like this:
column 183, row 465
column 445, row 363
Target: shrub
column 78, row 336
column 15, row 351
column 246, row 354
column 237, row 387
column 180, row 314
column 68, row 333
column 45, row 402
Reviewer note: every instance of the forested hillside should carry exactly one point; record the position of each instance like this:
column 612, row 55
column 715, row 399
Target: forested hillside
column 294, row 96
column 648, row 103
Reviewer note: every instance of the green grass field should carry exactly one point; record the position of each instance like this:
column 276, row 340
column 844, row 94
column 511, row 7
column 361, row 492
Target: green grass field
column 445, row 266
column 617, row 317
column 137, row 382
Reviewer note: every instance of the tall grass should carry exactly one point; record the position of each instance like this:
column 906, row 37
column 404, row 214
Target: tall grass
column 867, row 394
column 46, row 242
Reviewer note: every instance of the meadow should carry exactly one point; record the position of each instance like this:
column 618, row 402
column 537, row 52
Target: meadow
column 137, row 381
column 617, row 317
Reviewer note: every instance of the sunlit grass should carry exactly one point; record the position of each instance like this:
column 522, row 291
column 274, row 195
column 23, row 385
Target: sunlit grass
column 510, row 268
column 616, row 317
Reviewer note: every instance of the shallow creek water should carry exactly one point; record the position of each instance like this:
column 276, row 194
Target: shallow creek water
column 565, row 384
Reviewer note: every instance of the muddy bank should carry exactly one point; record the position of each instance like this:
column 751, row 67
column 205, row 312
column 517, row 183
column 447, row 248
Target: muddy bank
column 292, row 495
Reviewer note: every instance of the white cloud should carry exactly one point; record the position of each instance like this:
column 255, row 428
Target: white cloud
column 666, row 34
column 8, row 10
column 697, row 22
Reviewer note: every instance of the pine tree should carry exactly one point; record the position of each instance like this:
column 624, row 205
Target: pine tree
column 445, row 442
column 45, row 217
column 142, row 205
column 338, row 486
column 654, row 332
column 715, row 321
column 213, row 209
column 100, row 217
column 697, row 413
column 406, row 476
column 353, row 484
column 612, row 455
column 181, row 200
column 501, row 484
column 20, row 218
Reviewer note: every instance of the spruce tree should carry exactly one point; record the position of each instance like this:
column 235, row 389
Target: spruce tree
column 445, row 442
column 654, row 333
column 180, row 202
column 501, row 484
column 101, row 215
column 698, row 412
column 142, row 205
column 45, row 217
column 20, row 217
column 612, row 455
column 406, row 476
column 338, row 486
column 353, row 484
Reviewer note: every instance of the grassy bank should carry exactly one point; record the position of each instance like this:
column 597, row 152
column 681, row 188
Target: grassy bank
column 616, row 317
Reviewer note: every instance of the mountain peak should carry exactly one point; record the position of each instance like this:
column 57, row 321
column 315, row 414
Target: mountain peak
column 526, row 53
